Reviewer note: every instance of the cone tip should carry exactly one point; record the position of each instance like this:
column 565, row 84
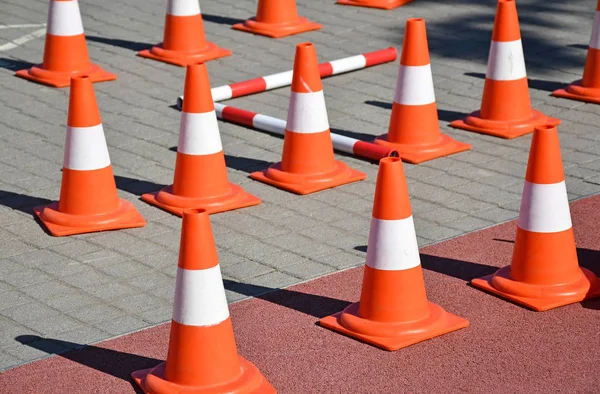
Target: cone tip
column 545, row 127
column 391, row 200
column 190, row 213
column 306, row 77
column 197, row 89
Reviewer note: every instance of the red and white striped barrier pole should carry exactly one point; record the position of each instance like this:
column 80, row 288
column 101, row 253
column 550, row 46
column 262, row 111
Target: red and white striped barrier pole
column 282, row 79
column 269, row 124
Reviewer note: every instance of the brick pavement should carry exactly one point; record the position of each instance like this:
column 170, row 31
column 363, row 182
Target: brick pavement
column 87, row 288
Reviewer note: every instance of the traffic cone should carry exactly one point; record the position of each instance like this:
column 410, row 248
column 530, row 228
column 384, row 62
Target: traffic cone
column 184, row 40
column 200, row 173
column 414, row 128
column 88, row 194
column 587, row 89
column 277, row 18
column 505, row 108
column 383, row 4
column 545, row 272
column 65, row 52
column 202, row 356
column 393, row 311
column 307, row 163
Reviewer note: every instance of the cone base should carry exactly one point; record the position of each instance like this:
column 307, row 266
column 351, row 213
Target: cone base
column 416, row 154
column 381, row 4
column 504, row 129
column 183, row 58
column 539, row 297
column 61, row 224
column 63, row 79
column 577, row 92
column 277, row 30
column 236, row 198
column 306, row 184
column 152, row 381
column 393, row 336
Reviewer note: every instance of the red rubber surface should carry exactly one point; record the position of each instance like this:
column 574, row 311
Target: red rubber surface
column 506, row 349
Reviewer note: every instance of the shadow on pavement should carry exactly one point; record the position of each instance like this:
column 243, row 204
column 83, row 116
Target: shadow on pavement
column 111, row 362
column 14, row 64
column 443, row 115
column 222, row 20
column 21, row 202
column 538, row 84
column 311, row 304
column 136, row 186
column 115, row 42
column 245, row 164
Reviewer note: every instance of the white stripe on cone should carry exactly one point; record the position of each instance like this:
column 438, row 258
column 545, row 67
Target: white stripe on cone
column 348, row 64
column 414, row 85
column 595, row 40
column 183, row 7
column 85, row 149
column 200, row 297
column 307, row 113
column 64, row 19
column 278, row 80
column 393, row 245
column 506, row 61
column 199, row 134
column 545, row 208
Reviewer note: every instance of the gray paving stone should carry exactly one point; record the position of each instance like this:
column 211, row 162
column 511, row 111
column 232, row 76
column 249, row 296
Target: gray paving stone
column 246, row 269
column 121, row 324
column 307, row 269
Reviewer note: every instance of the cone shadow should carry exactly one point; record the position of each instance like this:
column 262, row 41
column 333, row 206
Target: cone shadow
column 537, row 84
column 136, row 186
column 221, row 20
column 108, row 361
column 115, row 42
column 311, row 304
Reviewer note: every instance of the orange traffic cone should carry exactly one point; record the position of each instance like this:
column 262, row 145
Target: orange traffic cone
column 414, row 127
column 393, row 311
column 184, row 39
column 545, row 272
column 200, row 173
column 65, row 52
column 277, row 18
column 505, row 108
column 587, row 89
column 88, row 195
column 383, row 4
column 307, row 163
column 202, row 355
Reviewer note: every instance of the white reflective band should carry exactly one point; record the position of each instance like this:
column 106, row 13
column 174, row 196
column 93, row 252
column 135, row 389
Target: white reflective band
column 199, row 134
column 221, row 93
column 64, row 19
column 595, row 40
column 393, row 245
column 545, row 208
column 183, row 7
column 200, row 297
column 343, row 143
column 307, row 113
column 506, row 61
column 85, row 149
column 279, row 80
column 414, row 85
column 267, row 123
column 219, row 110
column 348, row 64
